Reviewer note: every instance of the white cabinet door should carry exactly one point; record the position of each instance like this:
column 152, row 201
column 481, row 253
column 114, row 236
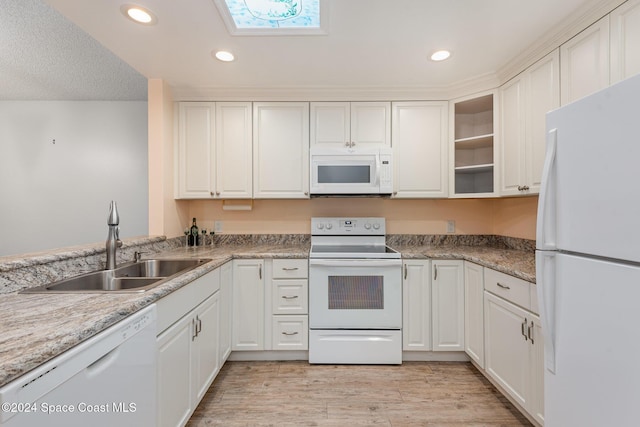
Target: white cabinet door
column 196, row 138
column 513, row 127
column 205, row 346
column 625, row 39
column 420, row 150
column 584, row 62
column 525, row 101
column 506, row 351
column 281, row 150
column 226, row 290
column 233, row 150
column 447, row 289
column 330, row 124
column 351, row 124
column 474, row 312
column 174, row 374
column 248, row 304
column 416, row 305
column 543, row 96
column 370, row 124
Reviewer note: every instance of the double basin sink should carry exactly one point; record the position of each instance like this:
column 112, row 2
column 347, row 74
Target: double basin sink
column 134, row 277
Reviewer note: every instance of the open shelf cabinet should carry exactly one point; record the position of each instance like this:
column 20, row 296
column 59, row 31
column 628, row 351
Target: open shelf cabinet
column 473, row 146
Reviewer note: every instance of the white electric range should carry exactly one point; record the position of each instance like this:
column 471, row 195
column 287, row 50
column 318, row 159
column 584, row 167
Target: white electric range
column 355, row 293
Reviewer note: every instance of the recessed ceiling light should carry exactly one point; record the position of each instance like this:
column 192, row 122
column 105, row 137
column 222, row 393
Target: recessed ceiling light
column 139, row 14
column 224, row 56
column 440, row 55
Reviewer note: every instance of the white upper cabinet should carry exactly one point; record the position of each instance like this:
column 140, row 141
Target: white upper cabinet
column 214, row 150
column 585, row 62
column 233, row 150
column 281, row 150
column 524, row 102
column 195, row 154
column 625, row 39
column 420, row 149
column 351, row 124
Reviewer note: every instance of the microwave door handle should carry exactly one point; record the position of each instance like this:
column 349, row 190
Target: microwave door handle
column 378, row 167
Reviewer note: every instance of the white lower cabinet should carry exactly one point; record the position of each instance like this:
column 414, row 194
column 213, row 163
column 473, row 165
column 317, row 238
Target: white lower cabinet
column 447, row 293
column 270, row 305
column 514, row 353
column 416, row 305
column 187, row 348
column 474, row 312
column 248, row 305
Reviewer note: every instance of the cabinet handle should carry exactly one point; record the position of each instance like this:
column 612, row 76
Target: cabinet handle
column 195, row 329
column 289, row 296
column 346, row 144
column 260, row 271
column 217, row 193
column 500, row 285
column 530, row 332
column 435, row 272
column 198, row 325
column 290, row 268
column 289, row 333
column 306, row 193
column 211, row 192
column 405, row 272
column 523, row 325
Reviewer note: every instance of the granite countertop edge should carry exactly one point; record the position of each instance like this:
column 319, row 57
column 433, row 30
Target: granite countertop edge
column 70, row 319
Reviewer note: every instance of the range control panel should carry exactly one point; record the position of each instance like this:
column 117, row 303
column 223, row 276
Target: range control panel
column 370, row 226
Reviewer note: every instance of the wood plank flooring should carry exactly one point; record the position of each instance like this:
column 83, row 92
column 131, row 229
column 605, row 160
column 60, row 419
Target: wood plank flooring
column 298, row 394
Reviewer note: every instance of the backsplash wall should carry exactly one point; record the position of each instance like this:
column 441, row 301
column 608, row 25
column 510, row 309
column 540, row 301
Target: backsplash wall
column 508, row 217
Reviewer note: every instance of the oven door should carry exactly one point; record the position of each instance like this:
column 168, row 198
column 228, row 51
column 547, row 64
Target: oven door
column 355, row 294
column 345, row 174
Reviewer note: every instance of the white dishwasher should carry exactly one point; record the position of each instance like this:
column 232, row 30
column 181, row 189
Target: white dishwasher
column 107, row 380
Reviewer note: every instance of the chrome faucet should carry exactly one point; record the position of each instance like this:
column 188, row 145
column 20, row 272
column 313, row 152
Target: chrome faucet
column 113, row 240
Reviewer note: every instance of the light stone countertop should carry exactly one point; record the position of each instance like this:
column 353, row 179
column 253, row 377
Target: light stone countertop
column 37, row 327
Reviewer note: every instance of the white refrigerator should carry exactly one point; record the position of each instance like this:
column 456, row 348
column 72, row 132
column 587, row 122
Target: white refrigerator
column 588, row 260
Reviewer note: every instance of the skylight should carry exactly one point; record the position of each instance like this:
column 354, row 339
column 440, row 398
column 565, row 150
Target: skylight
column 264, row 17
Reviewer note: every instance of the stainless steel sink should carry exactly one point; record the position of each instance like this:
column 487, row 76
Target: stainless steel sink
column 156, row 267
column 135, row 277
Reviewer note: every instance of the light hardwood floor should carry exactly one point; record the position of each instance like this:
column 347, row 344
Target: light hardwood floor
column 298, row 394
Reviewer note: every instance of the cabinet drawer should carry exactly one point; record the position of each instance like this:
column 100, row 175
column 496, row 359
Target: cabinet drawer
column 290, row 268
column 289, row 296
column 508, row 287
column 290, row 333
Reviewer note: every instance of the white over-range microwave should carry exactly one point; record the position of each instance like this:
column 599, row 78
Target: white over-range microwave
column 350, row 171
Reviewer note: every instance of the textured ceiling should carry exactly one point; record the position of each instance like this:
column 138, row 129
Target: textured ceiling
column 43, row 56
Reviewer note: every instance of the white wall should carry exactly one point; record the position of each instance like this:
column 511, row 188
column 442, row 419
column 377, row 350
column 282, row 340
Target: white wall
column 57, row 195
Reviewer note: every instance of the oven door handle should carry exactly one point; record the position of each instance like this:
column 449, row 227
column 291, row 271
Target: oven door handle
column 355, row 262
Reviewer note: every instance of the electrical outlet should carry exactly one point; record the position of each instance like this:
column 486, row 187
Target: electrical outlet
column 451, row 226
column 217, row 226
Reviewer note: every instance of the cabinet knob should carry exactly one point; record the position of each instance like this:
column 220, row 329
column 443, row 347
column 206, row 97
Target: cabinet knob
column 212, row 193
column 217, row 193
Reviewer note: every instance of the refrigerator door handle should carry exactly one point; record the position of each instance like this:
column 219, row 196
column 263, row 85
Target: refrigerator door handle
column 546, row 226
column 546, row 290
